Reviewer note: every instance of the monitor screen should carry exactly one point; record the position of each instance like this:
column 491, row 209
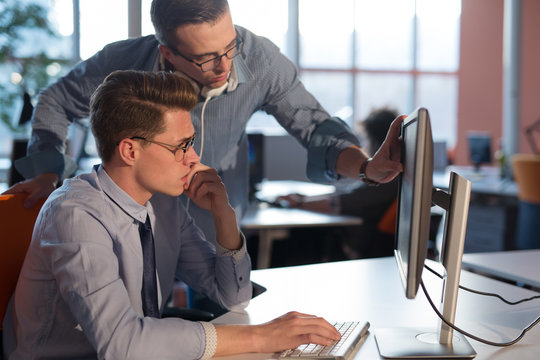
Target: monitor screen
column 256, row 161
column 479, row 148
column 414, row 199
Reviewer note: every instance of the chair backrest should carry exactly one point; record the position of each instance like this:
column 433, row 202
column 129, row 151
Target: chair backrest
column 17, row 224
column 387, row 223
column 526, row 168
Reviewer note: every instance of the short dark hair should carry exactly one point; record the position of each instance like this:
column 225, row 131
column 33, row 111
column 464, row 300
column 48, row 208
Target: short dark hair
column 376, row 126
column 132, row 103
column 168, row 15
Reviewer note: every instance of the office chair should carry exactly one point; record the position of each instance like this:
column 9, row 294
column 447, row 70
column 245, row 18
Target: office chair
column 387, row 223
column 17, row 226
column 526, row 168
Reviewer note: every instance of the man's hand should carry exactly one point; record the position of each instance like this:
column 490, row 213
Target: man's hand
column 286, row 332
column 205, row 188
column 386, row 163
column 294, row 329
column 37, row 188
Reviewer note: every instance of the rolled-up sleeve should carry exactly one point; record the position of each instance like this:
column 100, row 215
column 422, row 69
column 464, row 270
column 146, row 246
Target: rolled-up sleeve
column 297, row 110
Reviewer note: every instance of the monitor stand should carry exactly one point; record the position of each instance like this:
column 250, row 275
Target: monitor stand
column 441, row 343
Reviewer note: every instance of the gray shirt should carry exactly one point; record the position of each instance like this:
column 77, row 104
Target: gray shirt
column 266, row 80
column 79, row 290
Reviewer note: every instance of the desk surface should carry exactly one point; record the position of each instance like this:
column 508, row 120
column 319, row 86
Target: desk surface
column 485, row 181
column 271, row 218
column 520, row 266
column 269, row 190
column 371, row 290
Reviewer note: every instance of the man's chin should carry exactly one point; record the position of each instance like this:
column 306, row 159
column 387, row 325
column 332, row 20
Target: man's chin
column 174, row 192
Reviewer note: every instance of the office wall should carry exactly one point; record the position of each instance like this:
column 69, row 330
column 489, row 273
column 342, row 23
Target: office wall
column 480, row 74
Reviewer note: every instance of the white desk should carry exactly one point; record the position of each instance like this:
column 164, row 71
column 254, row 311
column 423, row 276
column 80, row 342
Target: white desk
column 371, row 290
column 274, row 224
column 271, row 189
column 520, row 266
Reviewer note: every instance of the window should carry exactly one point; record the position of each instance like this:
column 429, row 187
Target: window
column 396, row 53
column 353, row 55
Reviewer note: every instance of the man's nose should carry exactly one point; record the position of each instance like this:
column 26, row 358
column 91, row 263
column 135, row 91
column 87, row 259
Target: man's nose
column 191, row 157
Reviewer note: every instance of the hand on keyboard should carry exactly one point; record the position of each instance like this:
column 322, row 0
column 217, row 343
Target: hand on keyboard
column 294, row 329
column 350, row 332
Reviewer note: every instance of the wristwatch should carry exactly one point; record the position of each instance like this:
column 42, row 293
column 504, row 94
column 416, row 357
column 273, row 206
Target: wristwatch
column 362, row 174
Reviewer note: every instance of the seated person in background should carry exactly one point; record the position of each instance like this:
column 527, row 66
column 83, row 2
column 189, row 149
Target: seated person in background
column 368, row 202
column 107, row 245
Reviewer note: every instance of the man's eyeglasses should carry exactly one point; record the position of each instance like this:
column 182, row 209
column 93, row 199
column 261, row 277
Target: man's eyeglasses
column 178, row 156
column 211, row 64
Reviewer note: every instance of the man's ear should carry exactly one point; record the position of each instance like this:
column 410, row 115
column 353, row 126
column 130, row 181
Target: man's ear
column 127, row 150
column 166, row 53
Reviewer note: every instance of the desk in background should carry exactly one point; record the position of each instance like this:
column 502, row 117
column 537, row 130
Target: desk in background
column 273, row 223
column 519, row 266
column 371, row 290
column 493, row 209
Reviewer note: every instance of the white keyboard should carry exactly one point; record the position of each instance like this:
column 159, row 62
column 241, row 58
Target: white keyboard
column 352, row 333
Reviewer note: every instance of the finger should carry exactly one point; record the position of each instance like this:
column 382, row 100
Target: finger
column 16, row 189
column 316, row 334
column 195, row 170
column 30, row 201
column 203, row 177
column 315, row 325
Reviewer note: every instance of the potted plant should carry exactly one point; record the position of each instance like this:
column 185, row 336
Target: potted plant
column 29, row 67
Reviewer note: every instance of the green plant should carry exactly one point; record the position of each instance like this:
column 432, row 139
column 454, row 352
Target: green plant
column 27, row 73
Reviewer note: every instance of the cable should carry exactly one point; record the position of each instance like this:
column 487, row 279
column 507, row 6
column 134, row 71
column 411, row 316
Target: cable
column 202, row 138
column 469, row 334
column 486, row 293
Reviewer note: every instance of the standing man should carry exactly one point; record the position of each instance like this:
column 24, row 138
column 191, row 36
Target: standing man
column 236, row 73
column 107, row 245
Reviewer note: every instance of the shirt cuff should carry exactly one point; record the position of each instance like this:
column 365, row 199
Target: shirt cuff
column 236, row 254
column 211, row 340
column 327, row 141
column 46, row 161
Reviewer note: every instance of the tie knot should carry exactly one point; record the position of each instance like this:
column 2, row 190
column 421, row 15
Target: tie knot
column 145, row 225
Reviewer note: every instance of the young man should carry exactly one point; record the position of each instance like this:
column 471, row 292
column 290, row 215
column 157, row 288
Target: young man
column 236, row 73
column 107, row 245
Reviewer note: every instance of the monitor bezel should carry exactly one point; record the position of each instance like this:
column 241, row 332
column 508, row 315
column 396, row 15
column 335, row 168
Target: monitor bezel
column 411, row 244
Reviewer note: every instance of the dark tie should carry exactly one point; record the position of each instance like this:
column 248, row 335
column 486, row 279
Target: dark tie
column 149, row 285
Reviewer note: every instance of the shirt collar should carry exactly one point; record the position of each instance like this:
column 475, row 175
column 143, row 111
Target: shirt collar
column 120, row 197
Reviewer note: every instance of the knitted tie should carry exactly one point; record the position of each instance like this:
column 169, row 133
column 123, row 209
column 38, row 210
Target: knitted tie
column 149, row 285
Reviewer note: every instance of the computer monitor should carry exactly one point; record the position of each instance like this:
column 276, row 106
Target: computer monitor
column 415, row 197
column 256, row 162
column 479, row 148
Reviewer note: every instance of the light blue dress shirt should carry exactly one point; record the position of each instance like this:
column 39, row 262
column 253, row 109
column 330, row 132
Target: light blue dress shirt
column 79, row 292
column 266, row 80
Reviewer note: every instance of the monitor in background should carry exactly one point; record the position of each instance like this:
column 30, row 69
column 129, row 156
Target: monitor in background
column 415, row 198
column 256, row 162
column 440, row 156
column 479, row 148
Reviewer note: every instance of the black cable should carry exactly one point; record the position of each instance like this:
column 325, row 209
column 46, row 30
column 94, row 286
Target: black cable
column 486, row 293
column 473, row 336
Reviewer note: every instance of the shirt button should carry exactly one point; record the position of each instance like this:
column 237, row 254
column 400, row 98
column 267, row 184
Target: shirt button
column 240, row 278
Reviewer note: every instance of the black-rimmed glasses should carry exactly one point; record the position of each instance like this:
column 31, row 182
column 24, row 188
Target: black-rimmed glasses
column 211, row 64
column 184, row 147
